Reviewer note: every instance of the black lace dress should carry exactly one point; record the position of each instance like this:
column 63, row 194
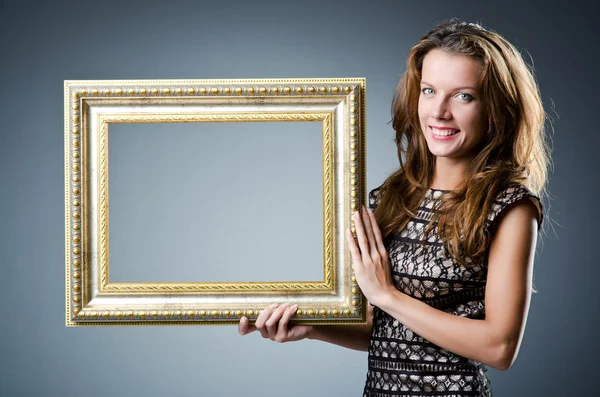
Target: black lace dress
column 402, row 363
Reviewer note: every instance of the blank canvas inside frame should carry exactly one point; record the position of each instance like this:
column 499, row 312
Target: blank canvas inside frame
column 208, row 202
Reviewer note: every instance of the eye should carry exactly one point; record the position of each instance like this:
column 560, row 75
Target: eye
column 465, row 97
column 424, row 90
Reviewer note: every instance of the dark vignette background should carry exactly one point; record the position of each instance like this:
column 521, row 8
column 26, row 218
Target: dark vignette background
column 43, row 43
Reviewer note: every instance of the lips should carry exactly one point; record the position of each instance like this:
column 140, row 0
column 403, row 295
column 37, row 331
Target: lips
column 443, row 131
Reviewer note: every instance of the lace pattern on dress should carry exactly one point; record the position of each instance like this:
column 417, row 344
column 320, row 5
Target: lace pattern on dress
column 402, row 363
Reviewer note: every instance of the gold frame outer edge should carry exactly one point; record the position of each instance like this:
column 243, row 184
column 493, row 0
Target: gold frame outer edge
column 85, row 289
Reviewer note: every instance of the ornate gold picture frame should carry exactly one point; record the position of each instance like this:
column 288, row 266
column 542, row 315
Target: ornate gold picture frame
column 91, row 107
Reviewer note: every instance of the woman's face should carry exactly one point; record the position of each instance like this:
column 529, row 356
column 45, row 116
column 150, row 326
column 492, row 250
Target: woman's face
column 451, row 109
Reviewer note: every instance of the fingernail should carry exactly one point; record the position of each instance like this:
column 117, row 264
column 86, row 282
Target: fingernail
column 294, row 307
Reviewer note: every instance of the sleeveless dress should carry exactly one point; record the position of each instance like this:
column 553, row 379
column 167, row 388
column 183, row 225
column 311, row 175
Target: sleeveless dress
column 402, row 363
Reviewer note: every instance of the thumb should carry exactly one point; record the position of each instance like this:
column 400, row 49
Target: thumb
column 244, row 326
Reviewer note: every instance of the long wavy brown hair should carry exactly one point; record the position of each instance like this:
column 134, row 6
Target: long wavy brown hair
column 514, row 150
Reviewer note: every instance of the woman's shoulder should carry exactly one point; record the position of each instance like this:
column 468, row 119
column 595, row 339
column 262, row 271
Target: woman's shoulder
column 509, row 196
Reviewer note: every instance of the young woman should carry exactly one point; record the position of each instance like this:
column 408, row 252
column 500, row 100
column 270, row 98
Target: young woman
column 445, row 256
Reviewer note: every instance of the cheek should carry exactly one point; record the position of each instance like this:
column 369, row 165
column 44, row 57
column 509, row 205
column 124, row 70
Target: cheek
column 477, row 124
column 422, row 112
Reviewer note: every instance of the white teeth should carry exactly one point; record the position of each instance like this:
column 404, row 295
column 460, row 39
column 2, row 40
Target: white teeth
column 444, row 132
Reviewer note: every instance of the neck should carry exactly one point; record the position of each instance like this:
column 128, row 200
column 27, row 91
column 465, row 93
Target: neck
column 449, row 173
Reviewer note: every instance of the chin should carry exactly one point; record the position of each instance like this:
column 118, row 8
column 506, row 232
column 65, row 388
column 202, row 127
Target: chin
column 440, row 152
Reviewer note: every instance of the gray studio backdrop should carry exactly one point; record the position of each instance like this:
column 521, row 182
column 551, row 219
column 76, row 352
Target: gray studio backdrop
column 43, row 43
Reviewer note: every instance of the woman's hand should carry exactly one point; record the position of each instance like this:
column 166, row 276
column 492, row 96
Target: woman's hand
column 370, row 258
column 273, row 322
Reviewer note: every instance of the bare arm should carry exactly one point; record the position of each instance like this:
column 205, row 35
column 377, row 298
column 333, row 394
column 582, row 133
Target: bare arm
column 355, row 337
column 494, row 341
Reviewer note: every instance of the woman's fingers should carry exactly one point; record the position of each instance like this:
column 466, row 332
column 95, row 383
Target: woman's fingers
column 361, row 236
column 353, row 248
column 378, row 236
column 262, row 319
column 272, row 323
column 282, row 329
column 369, row 233
column 244, row 327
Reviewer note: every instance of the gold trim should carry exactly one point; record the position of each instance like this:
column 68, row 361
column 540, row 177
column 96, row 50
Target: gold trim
column 106, row 119
column 334, row 300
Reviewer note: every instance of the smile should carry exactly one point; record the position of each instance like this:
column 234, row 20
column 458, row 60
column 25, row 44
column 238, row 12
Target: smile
column 444, row 131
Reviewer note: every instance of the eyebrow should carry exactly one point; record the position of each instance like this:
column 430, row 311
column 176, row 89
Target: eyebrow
column 457, row 88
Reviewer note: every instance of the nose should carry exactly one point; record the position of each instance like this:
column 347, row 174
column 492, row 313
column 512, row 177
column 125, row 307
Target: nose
column 440, row 110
